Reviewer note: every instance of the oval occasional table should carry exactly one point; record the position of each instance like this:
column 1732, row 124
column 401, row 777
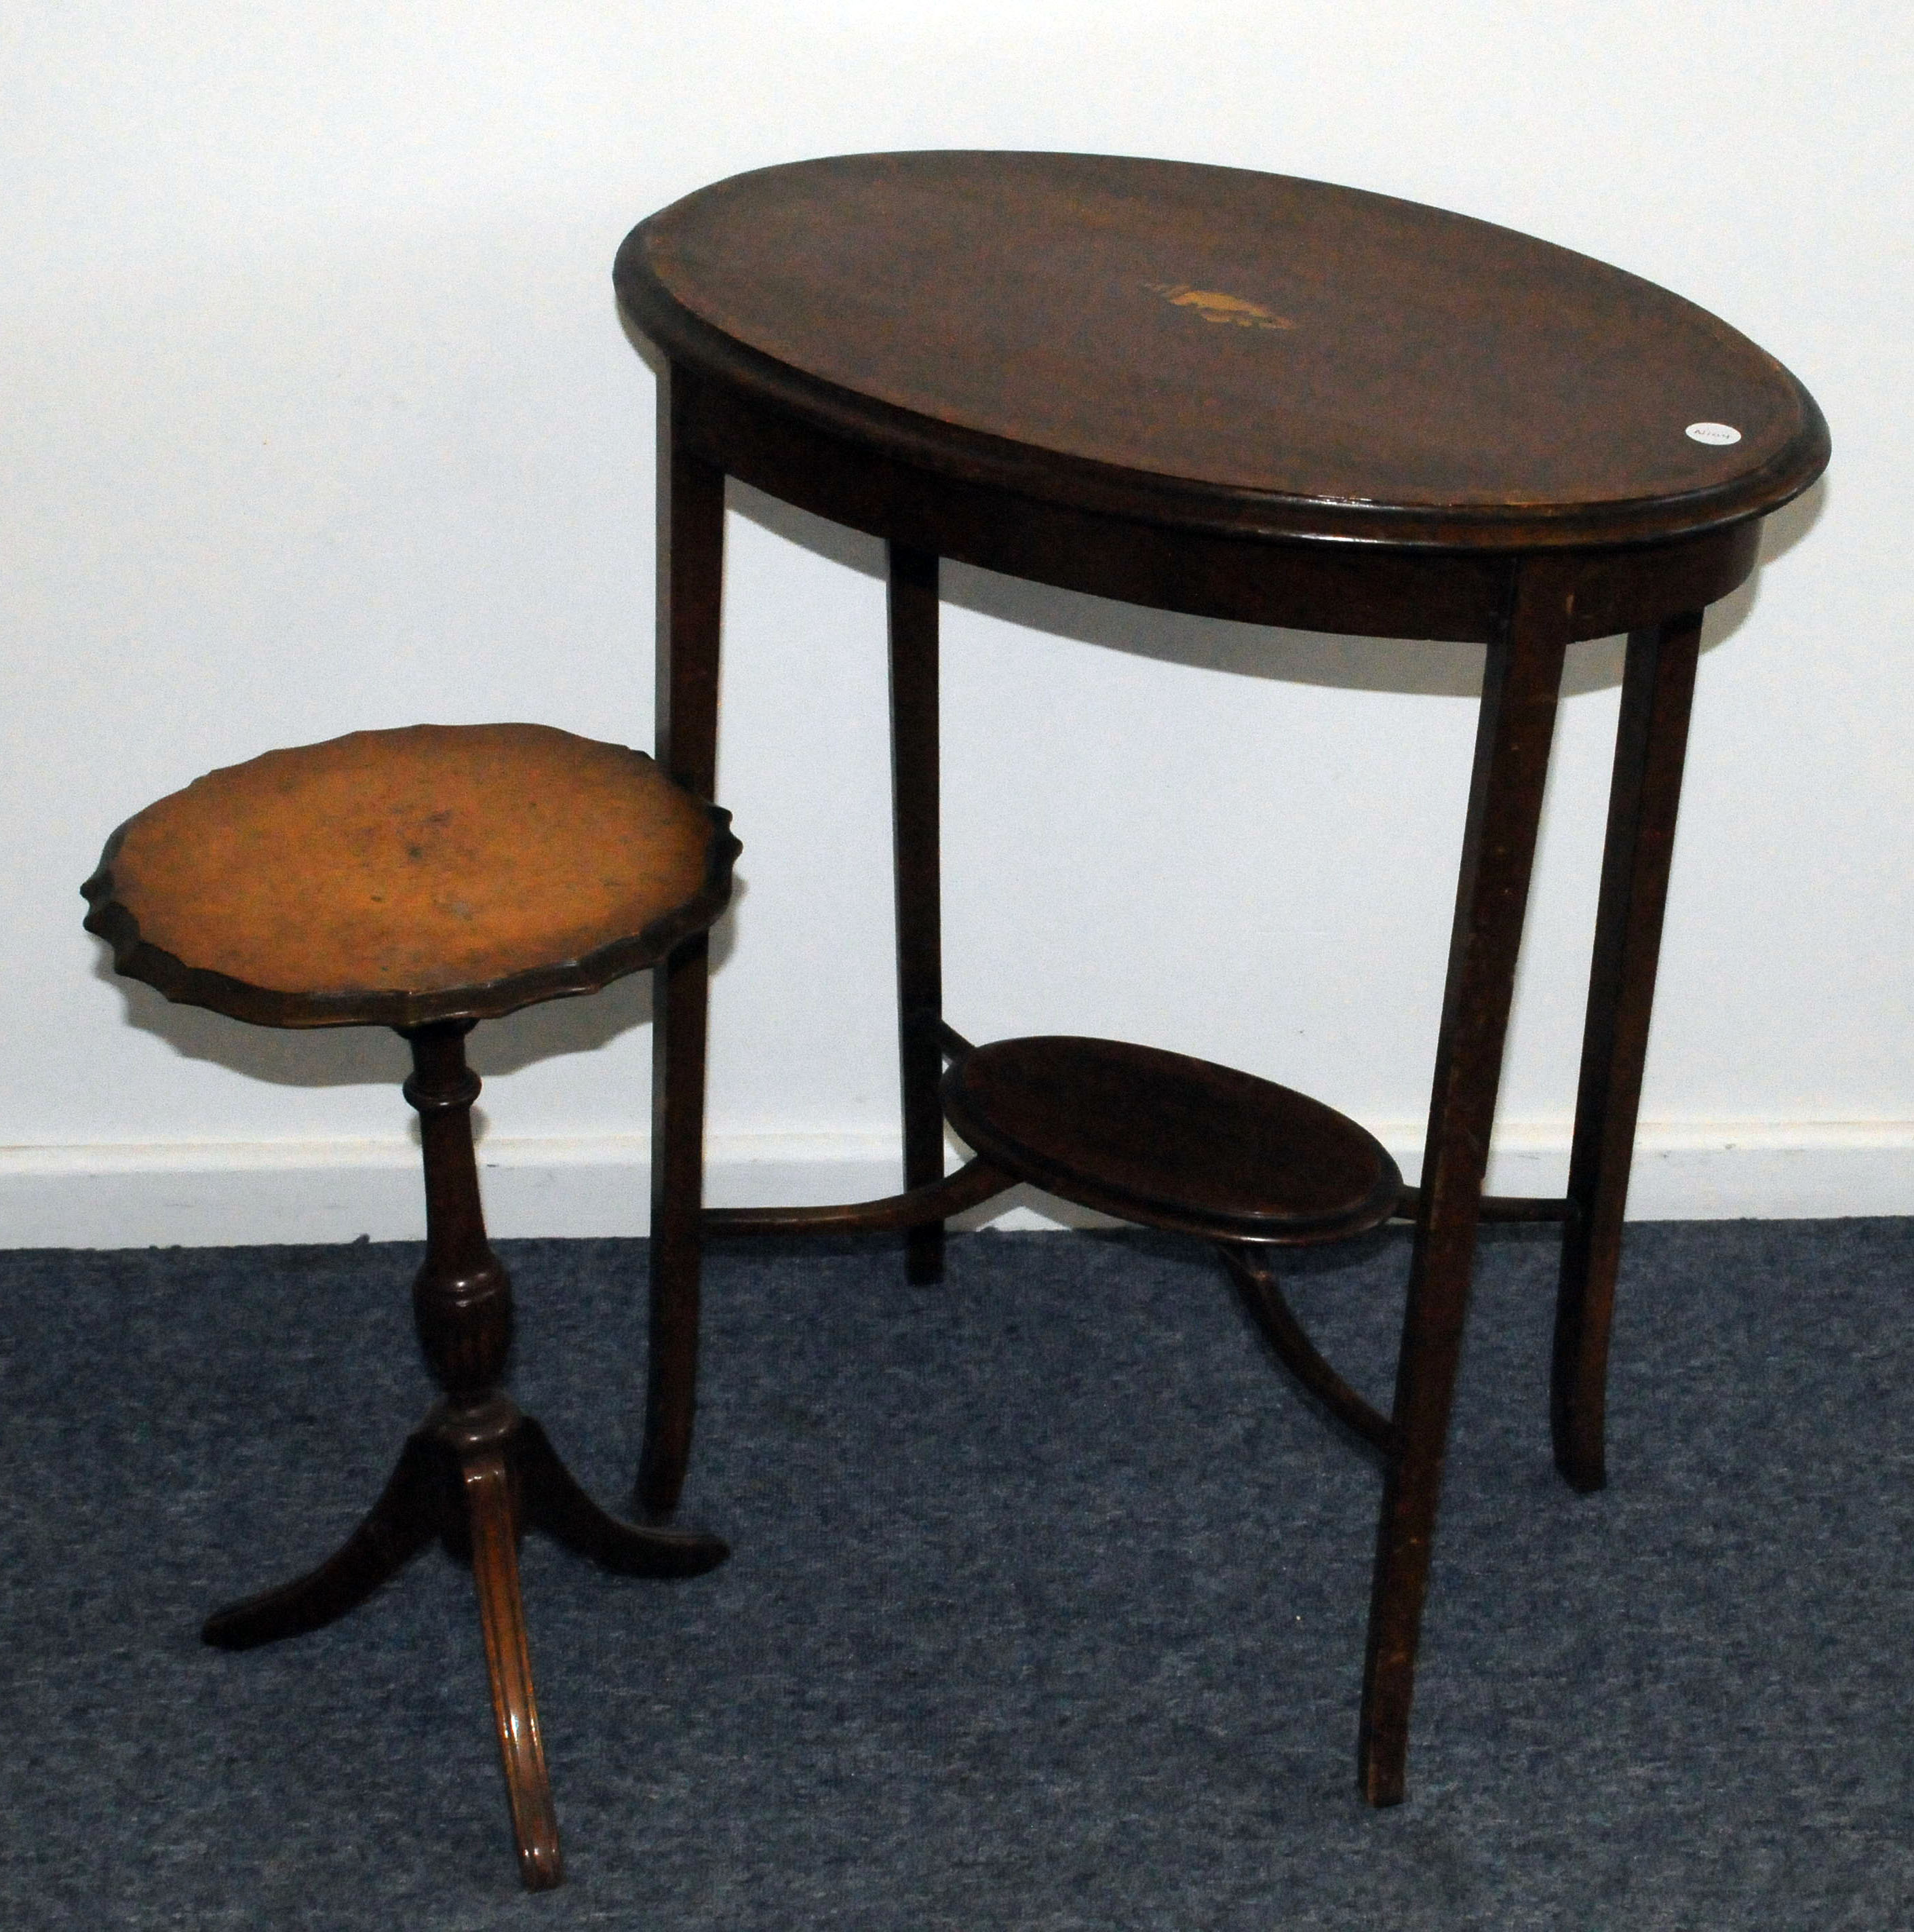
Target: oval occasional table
column 1249, row 397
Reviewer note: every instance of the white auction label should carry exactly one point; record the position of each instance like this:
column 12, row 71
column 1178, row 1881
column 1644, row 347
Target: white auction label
column 1718, row 434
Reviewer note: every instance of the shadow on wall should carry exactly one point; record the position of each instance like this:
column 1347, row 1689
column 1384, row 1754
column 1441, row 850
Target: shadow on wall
column 1415, row 668
column 361, row 1056
column 356, row 1056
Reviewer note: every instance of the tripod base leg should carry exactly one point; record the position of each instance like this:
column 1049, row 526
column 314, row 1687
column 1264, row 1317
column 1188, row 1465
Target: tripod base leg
column 398, row 1525
column 554, row 1502
column 488, row 1496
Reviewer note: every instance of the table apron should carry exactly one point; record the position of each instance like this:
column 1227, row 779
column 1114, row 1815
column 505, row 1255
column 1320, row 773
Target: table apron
column 1351, row 589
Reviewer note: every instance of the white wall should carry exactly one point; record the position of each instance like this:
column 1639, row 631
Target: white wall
column 320, row 417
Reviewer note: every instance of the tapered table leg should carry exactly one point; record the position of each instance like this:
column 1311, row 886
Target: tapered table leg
column 914, row 815
column 691, row 555
column 1520, row 692
column 1652, row 739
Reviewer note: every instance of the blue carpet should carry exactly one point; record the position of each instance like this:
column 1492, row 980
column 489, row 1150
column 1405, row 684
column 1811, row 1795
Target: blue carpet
column 1046, row 1609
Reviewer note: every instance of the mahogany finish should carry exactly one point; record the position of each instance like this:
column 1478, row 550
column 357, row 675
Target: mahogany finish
column 1171, row 1142
column 691, row 566
column 1658, row 687
column 976, row 1182
column 1261, row 1292
column 1241, row 396
column 914, row 793
column 1215, row 348
column 356, row 880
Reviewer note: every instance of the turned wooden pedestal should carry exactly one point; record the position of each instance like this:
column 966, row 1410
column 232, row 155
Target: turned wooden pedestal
column 425, row 879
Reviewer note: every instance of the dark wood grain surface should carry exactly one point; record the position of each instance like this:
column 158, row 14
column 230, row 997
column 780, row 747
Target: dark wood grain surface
column 1253, row 349
column 1170, row 1141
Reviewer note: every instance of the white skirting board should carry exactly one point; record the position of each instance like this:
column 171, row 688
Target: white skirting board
column 225, row 1194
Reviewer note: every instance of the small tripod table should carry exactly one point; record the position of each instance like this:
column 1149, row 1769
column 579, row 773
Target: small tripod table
column 424, row 880
column 1241, row 396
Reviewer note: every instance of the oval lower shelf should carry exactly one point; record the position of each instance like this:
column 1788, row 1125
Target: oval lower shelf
column 1170, row 1141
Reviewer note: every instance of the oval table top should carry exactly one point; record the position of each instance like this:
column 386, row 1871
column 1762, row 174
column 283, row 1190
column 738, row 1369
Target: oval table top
column 1340, row 363
column 1168, row 1141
